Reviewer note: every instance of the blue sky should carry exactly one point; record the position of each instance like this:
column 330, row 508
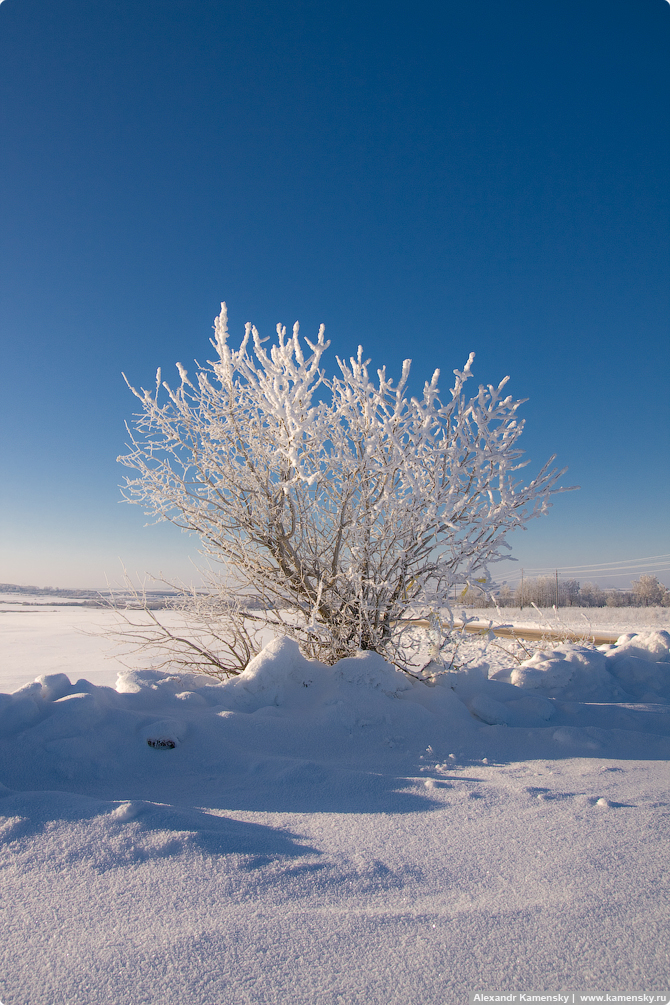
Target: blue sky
column 427, row 179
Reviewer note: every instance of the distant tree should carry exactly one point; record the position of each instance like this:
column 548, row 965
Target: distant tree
column 568, row 591
column 341, row 503
column 505, row 596
column 540, row 591
column 649, row 592
column 619, row 598
column 591, row 595
column 472, row 597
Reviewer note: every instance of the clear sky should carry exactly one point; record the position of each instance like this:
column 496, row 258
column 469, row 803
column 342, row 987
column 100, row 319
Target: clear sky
column 426, row 178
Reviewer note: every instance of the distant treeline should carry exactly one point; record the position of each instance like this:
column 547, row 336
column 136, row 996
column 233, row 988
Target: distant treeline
column 545, row 591
column 49, row 591
column 57, row 597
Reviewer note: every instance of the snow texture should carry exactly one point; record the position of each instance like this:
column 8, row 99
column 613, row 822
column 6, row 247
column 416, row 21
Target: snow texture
column 314, row 834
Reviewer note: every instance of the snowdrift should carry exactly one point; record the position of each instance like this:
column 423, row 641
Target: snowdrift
column 290, row 733
column 334, row 834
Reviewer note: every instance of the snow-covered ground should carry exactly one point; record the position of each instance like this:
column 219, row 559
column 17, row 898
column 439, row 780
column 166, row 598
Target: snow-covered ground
column 321, row 836
column 619, row 619
column 50, row 639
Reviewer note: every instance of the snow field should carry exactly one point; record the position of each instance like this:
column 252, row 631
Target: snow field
column 323, row 835
column 514, row 874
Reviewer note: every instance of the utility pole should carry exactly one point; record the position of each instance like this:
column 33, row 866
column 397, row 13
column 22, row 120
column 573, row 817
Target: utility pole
column 557, row 589
column 522, row 589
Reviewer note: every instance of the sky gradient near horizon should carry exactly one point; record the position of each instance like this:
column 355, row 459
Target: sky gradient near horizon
column 427, row 179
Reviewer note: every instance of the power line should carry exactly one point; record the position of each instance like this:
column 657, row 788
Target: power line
column 621, row 562
column 595, row 573
column 656, row 563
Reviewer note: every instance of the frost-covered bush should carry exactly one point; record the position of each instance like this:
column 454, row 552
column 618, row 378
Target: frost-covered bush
column 342, row 503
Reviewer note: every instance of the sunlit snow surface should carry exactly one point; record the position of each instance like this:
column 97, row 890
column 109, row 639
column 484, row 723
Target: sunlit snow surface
column 323, row 835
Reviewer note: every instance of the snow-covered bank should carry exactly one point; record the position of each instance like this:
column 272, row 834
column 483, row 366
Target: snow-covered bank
column 287, row 718
column 615, row 619
column 325, row 835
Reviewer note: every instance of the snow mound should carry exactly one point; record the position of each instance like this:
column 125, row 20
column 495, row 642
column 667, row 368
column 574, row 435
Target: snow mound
column 293, row 733
column 636, row 668
column 641, row 663
column 280, row 675
column 570, row 672
column 651, row 646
